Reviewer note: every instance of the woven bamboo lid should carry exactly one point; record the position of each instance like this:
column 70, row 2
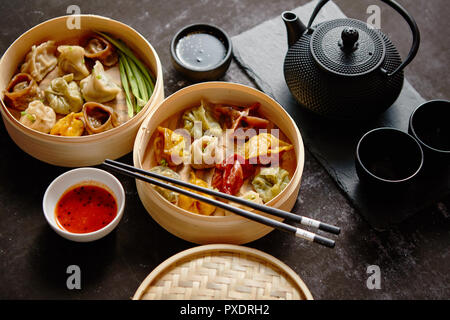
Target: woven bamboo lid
column 222, row 272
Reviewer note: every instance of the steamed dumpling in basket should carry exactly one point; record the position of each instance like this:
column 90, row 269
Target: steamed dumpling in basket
column 98, row 86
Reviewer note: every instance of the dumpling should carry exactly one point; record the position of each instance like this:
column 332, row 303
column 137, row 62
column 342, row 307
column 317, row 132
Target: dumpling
column 193, row 205
column 199, row 121
column 270, row 182
column 239, row 116
column 63, row 95
column 265, row 148
column 166, row 171
column 38, row 117
column 169, row 147
column 252, row 196
column 98, row 118
column 229, row 175
column 71, row 60
column 21, row 91
column 71, row 125
column 40, row 60
column 98, row 86
column 206, row 152
column 98, row 48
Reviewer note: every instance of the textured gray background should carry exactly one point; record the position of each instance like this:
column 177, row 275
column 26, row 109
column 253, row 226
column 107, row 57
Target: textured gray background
column 413, row 257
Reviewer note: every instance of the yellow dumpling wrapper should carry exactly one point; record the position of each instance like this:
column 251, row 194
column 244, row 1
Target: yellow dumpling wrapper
column 195, row 206
column 265, row 145
column 71, row 125
column 169, row 146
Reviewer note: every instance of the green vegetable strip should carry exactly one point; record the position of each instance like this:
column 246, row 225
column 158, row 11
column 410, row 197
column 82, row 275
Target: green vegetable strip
column 126, row 87
column 133, row 83
column 123, row 47
column 140, row 80
column 148, row 86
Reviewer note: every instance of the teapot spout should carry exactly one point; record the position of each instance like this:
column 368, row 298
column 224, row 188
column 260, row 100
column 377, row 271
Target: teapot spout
column 295, row 28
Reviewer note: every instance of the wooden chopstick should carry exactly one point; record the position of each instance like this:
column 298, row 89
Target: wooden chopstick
column 123, row 168
column 270, row 210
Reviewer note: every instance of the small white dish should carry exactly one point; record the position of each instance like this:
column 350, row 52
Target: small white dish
column 57, row 188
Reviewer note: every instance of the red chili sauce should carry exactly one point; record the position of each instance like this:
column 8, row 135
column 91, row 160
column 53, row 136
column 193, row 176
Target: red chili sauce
column 85, row 208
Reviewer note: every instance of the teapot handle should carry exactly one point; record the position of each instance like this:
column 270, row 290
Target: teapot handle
column 409, row 19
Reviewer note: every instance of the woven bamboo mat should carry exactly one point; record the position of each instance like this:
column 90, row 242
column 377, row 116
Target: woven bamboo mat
column 222, row 272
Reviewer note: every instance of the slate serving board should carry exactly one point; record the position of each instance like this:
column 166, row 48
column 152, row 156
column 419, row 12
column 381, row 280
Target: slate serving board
column 261, row 51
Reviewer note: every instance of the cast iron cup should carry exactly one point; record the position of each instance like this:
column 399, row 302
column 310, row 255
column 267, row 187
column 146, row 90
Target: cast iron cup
column 430, row 125
column 388, row 158
column 204, row 74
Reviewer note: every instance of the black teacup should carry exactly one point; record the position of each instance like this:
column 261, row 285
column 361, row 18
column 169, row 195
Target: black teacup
column 388, row 158
column 430, row 125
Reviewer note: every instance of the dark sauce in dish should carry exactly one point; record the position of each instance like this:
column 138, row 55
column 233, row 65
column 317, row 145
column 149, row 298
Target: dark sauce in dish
column 200, row 50
column 85, row 208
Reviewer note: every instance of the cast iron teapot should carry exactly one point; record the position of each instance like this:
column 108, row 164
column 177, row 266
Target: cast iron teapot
column 344, row 68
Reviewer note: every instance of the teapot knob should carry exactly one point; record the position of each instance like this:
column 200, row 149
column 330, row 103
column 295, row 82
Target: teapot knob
column 349, row 38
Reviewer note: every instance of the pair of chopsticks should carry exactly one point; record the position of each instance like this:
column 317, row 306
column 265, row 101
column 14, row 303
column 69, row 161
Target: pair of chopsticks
column 151, row 177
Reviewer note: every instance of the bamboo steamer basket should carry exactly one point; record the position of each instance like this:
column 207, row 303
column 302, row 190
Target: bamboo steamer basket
column 222, row 272
column 85, row 150
column 230, row 228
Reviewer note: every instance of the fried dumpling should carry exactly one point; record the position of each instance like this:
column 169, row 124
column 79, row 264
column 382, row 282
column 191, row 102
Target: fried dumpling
column 169, row 147
column 195, row 206
column 21, row 91
column 270, row 182
column 98, row 117
column 38, row 117
column 71, row 125
column 63, row 95
column 265, row 148
column 98, row 48
column 200, row 120
column 40, row 60
column 71, row 60
column 98, row 86
column 166, row 171
column 205, row 152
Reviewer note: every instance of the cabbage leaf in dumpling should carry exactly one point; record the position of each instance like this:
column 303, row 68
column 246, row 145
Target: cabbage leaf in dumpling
column 40, row 60
column 71, row 60
column 200, row 120
column 270, row 182
column 166, row 171
column 63, row 95
column 38, row 117
column 98, row 87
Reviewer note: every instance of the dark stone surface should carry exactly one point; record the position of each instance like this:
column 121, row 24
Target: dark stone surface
column 413, row 257
column 333, row 142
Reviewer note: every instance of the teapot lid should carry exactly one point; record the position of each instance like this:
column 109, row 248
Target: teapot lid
column 347, row 47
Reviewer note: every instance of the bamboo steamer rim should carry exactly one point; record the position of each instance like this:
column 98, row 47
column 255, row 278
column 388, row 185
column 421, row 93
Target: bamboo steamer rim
column 137, row 157
column 193, row 253
column 82, row 139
